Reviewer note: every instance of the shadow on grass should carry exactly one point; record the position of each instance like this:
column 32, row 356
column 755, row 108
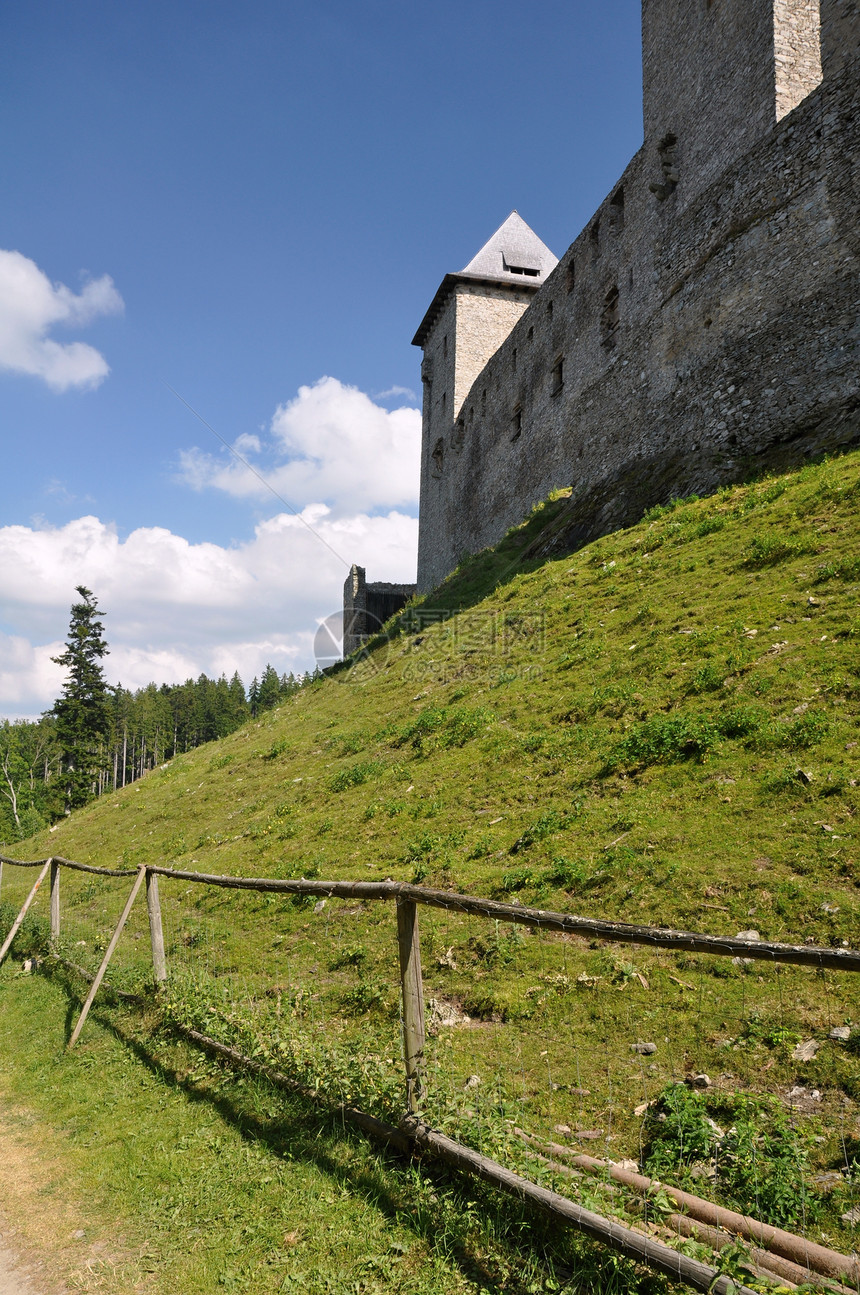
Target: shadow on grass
column 443, row 1217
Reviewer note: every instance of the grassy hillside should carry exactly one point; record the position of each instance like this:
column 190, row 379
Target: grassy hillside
column 660, row 728
column 663, row 686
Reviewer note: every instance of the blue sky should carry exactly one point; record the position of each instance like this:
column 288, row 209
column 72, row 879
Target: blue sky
column 240, row 201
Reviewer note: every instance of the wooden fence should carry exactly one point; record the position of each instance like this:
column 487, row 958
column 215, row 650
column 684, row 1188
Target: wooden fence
column 777, row 1255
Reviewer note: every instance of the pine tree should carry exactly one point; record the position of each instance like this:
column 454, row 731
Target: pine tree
column 239, row 711
column 270, row 689
column 83, row 712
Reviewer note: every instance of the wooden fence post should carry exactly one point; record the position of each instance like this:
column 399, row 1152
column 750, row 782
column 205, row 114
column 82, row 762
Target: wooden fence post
column 55, row 902
column 16, row 925
column 85, row 1010
column 156, row 933
column 413, row 1000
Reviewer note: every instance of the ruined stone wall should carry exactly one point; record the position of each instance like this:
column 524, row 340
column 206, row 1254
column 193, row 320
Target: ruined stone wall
column 685, row 336
column 366, row 607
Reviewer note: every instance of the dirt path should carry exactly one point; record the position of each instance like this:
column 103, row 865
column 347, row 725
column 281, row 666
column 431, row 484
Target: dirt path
column 13, row 1280
column 48, row 1245
column 28, row 1217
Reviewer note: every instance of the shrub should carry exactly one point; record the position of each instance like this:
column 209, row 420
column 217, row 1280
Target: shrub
column 762, row 1162
column 517, row 880
column 664, row 739
column 806, row 730
column 779, row 781
column 678, row 1131
column 355, row 775
column 440, row 726
column 463, row 725
column 741, row 721
column 767, row 549
column 662, row 510
column 546, row 824
column 428, row 845
column 709, row 526
column 499, row 948
column 350, row 955
column 366, row 996
column 707, row 678
column 567, row 873
column 849, row 569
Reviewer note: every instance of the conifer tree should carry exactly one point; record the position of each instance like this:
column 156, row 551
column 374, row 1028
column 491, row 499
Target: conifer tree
column 83, row 712
column 270, row 689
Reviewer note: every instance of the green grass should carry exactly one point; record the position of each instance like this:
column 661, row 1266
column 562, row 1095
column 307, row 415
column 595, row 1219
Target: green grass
column 189, row 1178
column 661, row 728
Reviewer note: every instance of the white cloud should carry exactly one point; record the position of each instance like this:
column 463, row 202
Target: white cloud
column 331, row 443
column 391, row 392
column 248, row 443
column 30, row 306
column 29, row 681
column 174, row 609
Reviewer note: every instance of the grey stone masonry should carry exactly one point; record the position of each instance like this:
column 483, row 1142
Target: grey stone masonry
column 366, row 607
column 704, row 324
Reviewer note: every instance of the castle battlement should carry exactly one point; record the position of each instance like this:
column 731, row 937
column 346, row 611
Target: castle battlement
column 704, row 322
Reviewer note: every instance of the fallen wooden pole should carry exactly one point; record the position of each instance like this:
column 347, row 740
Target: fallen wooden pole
column 99, row 976
column 89, row 978
column 772, row 1265
column 632, row 1244
column 375, row 1128
column 808, row 1255
column 16, row 925
column 765, row 1263
column 413, row 1132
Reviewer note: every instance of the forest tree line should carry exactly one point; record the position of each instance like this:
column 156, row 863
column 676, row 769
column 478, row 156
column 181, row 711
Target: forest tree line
column 100, row 738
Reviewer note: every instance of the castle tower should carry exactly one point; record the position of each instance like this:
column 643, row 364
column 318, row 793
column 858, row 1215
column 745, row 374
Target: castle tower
column 717, row 75
column 468, row 320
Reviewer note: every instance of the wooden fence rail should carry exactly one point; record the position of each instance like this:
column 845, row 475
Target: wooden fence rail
column 660, row 937
column 412, row 1132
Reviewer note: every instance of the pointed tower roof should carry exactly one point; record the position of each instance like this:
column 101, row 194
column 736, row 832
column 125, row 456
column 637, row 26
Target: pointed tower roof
column 514, row 251
column 513, row 257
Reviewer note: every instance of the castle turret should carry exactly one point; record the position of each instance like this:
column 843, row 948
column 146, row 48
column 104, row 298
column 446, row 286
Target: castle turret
column 469, row 318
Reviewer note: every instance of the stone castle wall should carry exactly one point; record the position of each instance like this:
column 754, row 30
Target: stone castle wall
column 704, row 322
